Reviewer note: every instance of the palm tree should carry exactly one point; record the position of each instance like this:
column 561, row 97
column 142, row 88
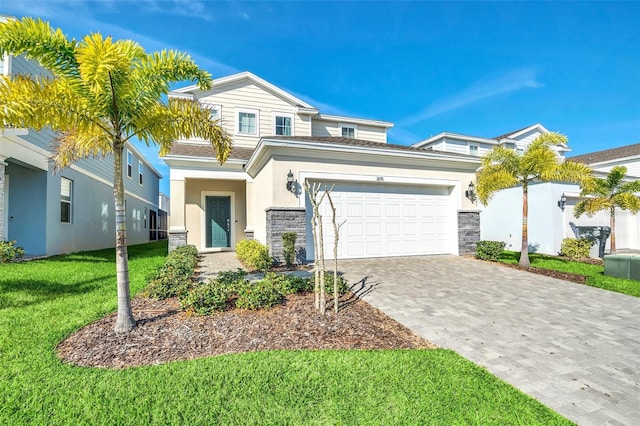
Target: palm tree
column 504, row 168
column 103, row 93
column 607, row 194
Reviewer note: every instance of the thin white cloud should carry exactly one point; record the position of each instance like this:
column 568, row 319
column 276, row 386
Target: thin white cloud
column 402, row 137
column 485, row 88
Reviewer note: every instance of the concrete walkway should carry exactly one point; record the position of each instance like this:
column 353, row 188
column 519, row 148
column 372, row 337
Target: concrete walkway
column 574, row 348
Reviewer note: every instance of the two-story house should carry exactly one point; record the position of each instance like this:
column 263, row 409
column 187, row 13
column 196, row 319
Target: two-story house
column 479, row 146
column 51, row 213
column 394, row 200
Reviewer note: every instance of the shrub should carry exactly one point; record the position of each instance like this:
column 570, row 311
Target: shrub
column 289, row 284
column 258, row 295
column 9, row 252
column 489, row 250
column 231, row 279
column 174, row 278
column 576, row 248
column 206, row 298
column 343, row 286
column 289, row 247
column 254, row 255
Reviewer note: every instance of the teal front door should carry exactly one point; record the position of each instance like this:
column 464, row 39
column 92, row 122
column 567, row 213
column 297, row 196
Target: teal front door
column 218, row 221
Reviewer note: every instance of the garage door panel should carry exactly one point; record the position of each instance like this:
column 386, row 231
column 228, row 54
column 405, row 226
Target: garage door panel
column 389, row 220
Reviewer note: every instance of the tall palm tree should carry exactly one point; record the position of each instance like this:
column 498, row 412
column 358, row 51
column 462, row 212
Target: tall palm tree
column 504, row 168
column 103, row 93
column 607, row 194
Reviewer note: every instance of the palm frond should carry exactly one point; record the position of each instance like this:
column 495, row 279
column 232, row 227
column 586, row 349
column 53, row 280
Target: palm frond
column 73, row 145
column 627, row 201
column 37, row 40
column 591, row 206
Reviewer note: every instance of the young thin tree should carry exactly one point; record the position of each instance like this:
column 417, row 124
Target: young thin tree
column 103, row 93
column 607, row 194
column 504, row 168
column 336, row 239
column 318, row 242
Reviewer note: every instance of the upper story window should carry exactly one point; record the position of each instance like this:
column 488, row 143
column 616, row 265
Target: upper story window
column 140, row 172
column 247, row 122
column 474, row 150
column 215, row 111
column 66, row 200
column 283, row 124
column 349, row 131
column 129, row 163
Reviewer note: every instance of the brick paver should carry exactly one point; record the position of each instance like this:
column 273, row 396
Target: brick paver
column 574, row 348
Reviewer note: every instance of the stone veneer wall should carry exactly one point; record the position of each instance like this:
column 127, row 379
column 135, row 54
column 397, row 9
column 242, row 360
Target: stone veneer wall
column 177, row 238
column 2, row 168
column 468, row 231
column 286, row 219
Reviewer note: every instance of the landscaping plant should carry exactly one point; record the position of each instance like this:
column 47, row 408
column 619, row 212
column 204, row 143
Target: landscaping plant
column 254, row 255
column 289, row 247
column 9, row 252
column 489, row 250
column 576, row 248
column 607, row 194
column 504, row 168
column 101, row 94
column 175, row 276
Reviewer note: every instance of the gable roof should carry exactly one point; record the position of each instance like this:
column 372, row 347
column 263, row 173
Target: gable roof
column 608, row 154
column 246, row 75
column 204, row 150
column 519, row 132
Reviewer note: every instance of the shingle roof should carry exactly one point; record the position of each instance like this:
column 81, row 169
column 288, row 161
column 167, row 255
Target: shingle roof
column 206, row 151
column 607, row 154
column 363, row 143
column 506, row 135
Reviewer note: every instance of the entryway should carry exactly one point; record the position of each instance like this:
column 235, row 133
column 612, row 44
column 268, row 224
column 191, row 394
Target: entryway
column 218, row 222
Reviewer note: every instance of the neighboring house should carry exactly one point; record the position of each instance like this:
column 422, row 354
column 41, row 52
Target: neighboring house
column 548, row 224
column 479, row 146
column 52, row 213
column 395, row 200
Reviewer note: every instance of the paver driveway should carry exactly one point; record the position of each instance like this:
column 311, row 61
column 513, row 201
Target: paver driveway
column 574, row 348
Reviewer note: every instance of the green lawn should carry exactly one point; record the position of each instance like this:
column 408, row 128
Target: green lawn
column 43, row 301
column 594, row 273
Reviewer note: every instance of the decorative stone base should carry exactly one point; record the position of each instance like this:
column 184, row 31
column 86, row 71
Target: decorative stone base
column 286, row 219
column 468, row 231
column 176, row 239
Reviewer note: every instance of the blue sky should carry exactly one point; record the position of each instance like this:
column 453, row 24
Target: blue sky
column 477, row 68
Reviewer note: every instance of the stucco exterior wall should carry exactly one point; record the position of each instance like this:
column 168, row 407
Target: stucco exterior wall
column 195, row 190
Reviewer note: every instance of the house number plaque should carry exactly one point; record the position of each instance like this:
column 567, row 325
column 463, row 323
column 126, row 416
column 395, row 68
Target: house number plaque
column 379, row 179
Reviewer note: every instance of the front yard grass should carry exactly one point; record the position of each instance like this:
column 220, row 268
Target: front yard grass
column 43, row 301
column 594, row 273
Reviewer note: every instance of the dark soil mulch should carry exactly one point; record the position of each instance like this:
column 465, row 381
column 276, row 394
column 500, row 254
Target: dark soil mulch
column 165, row 334
column 567, row 276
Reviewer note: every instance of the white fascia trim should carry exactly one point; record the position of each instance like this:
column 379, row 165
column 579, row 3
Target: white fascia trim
column 181, row 95
column 309, row 111
column 528, row 129
column 353, row 120
column 142, row 158
column 110, row 184
column 13, row 131
column 328, row 147
column 253, row 78
column 456, row 136
column 183, row 174
column 183, row 158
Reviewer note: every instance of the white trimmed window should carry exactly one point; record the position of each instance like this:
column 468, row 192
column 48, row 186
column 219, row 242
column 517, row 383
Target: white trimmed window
column 66, row 199
column 247, row 122
column 474, row 150
column 140, row 172
column 348, row 131
column 129, row 163
column 283, row 124
column 215, row 111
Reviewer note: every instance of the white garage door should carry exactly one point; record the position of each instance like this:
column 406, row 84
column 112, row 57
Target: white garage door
column 387, row 220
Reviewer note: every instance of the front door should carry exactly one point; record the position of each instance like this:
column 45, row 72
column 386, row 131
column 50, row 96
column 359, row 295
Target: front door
column 218, row 221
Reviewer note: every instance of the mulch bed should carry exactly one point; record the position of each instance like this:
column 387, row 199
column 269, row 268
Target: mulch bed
column 567, row 276
column 165, row 334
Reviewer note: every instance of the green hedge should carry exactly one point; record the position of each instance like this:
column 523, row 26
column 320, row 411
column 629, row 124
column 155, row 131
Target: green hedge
column 9, row 252
column 489, row 250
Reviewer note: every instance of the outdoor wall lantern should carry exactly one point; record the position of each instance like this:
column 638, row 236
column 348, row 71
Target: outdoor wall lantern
column 470, row 193
column 563, row 202
column 290, row 185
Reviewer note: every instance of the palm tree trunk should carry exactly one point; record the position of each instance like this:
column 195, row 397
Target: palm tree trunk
column 524, row 250
column 612, row 223
column 124, row 321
